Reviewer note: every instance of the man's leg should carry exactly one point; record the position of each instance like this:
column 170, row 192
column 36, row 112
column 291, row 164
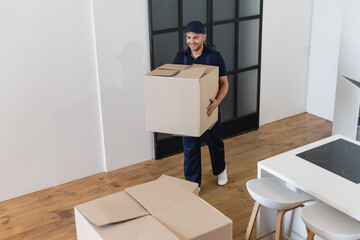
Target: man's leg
column 192, row 159
column 216, row 148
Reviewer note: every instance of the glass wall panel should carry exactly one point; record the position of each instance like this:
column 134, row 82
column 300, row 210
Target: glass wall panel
column 249, row 8
column 223, row 10
column 164, row 14
column 227, row 104
column 165, row 48
column 224, row 40
column 248, row 43
column 247, row 92
column 185, row 46
column 194, row 10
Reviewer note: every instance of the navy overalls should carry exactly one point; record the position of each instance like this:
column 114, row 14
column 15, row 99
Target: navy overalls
column 192, row 152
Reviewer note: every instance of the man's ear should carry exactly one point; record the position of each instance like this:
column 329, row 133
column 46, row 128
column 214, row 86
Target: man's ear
column 204, row 35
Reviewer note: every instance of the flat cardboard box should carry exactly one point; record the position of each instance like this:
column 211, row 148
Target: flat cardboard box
column 166, row 208
column 177, row 97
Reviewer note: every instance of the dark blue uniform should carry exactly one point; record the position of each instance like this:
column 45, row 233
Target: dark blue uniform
column 192, row 152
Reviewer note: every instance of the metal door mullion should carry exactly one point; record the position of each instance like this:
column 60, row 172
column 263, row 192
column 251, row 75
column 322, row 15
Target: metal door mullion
column 180, row 19
column 152, row 59
column 236, row 84
column 240, row 19
column 224, row 21
column 247, row 69
column 211, row 19
column 167, row 30
column 259, row 59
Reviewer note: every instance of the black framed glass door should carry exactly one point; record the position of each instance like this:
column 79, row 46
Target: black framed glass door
column 234, row 29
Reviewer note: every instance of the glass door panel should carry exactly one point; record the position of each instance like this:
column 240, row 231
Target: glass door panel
column 223, row 10
column 194, row 10
column 224, row 41
column 249, row 8
column 164, row 14
column 165, row 48
column 248, row 43
column 227, row 105
column 247, row 93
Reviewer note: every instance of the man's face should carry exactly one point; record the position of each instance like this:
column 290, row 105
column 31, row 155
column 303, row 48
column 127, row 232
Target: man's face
column 195, row 40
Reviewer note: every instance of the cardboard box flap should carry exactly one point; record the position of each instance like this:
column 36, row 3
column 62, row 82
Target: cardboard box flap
column 182, row 212
column 143, row 228
column 160, row 194
column 169, row 66
column 209, row 68
column 113, row 208
column 195, row 73
column 187, row 185
column 195, row 220
column 163, row 72
column 200, row 65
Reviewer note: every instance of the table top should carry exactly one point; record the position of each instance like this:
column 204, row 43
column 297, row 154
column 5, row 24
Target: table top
column 316, row 181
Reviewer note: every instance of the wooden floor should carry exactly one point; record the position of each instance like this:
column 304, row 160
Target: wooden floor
column 49, row 215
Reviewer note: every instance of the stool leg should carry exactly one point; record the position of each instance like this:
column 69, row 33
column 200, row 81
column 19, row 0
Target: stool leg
column 280, row 215
column 310, row 235
column 252, row 220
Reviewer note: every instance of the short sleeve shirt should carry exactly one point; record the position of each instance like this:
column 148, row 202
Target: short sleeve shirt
column 208, row 57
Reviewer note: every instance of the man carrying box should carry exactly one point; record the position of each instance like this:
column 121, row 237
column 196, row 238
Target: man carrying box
column 198, row 53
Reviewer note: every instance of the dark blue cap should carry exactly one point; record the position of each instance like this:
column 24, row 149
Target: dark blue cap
column 195, row 27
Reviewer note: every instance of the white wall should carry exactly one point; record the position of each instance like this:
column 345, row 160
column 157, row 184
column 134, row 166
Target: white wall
column 52, row 79
column 323, row 63
column 50, row 130
column 334, row 50
column 349, row 60
column 285, row 50
column 122, row 37
column 346, row 112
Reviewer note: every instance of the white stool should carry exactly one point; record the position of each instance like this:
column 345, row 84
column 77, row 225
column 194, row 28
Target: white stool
column 329, row 223
column 272, row 193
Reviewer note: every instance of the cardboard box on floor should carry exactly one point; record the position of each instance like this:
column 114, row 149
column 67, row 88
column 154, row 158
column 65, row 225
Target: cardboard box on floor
column 177, row 97
column 164, row 209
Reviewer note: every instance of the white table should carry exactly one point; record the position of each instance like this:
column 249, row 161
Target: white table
column 320, row 183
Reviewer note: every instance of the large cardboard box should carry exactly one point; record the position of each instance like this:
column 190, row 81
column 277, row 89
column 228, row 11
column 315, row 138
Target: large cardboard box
column 177, row 97
column 164, row 209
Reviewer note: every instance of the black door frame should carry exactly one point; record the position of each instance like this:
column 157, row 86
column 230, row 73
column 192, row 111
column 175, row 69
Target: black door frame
column 238, row 125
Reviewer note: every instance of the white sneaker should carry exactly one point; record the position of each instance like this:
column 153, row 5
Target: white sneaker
column 222, row 178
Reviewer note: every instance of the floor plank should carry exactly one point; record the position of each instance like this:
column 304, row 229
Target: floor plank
column 48, row 214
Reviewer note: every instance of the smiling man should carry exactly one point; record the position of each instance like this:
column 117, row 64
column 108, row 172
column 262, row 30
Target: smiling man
column 199, row 53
